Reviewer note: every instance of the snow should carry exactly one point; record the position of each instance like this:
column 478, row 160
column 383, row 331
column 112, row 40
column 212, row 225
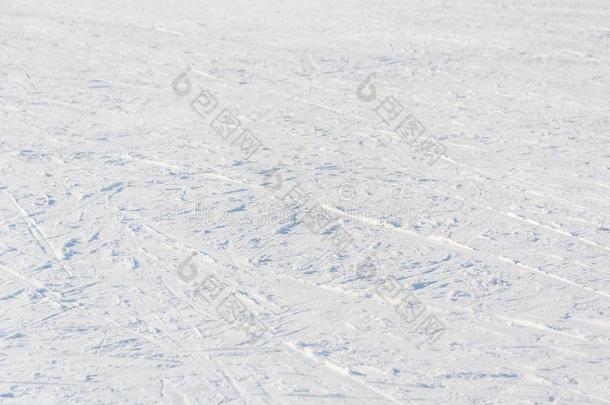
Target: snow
column 283, row 202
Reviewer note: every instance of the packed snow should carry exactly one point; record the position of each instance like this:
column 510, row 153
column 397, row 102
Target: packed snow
column 305, row 202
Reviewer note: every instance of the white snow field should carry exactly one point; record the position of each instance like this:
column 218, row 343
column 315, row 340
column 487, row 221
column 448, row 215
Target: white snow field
column 305, row 202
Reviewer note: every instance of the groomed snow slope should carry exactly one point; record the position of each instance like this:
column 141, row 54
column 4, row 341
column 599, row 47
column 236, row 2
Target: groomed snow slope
column 149, row 254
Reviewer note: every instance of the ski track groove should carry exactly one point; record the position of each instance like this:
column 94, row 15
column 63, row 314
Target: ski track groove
column 454, row 245
column 476, row 67
column 34, row 229
column 351, row 294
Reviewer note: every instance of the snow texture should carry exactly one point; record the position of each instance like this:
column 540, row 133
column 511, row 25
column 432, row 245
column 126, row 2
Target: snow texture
column 305, row 202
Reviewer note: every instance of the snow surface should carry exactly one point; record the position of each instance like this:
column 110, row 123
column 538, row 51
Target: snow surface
column 147, row 258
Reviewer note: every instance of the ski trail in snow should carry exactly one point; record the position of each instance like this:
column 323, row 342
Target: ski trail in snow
column 37, row 233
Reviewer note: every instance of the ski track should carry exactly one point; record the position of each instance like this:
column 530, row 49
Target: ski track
column 104, row 171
